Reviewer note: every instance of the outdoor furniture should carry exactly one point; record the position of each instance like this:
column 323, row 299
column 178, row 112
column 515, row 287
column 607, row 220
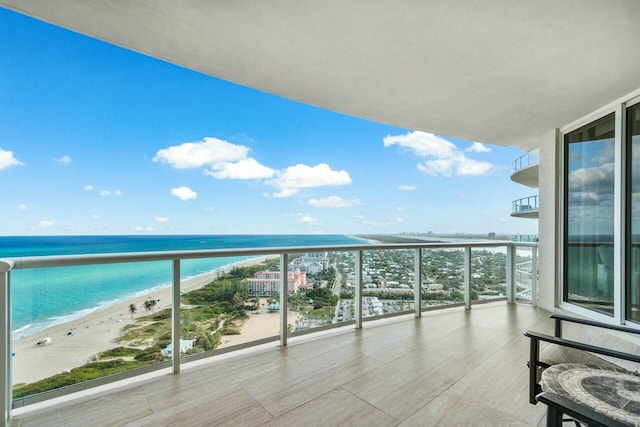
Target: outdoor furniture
column 598, row 395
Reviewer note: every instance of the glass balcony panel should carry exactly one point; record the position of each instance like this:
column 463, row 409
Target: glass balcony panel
column 488, row 273
column 75, row 324
column 442, row 277
column 388, row 277
column 327, row 295
column 524, row 273
column 229, row 301
column 526, row 160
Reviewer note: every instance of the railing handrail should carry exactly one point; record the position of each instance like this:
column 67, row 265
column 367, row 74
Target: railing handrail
column 18, row 263
column 532, row 157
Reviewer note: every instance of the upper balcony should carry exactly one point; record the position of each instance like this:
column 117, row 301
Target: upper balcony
column 310, row 360
column 524, row 170
column 527, row 207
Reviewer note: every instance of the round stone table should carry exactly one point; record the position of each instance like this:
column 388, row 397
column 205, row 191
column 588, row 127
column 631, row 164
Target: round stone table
column 611, row 392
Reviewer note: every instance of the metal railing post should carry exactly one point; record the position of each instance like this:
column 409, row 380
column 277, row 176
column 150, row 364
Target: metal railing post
column 534, row 276
column 467, row 277
column 417, row 282
column 284, row 289
column 358, row 295
column 511, row 273
column 5, row 337
column 175, row 318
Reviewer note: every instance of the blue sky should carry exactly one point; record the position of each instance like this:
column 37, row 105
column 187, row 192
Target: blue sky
column 95, row 139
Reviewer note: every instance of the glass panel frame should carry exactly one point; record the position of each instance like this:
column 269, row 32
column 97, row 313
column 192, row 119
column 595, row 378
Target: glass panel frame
column 588, row 218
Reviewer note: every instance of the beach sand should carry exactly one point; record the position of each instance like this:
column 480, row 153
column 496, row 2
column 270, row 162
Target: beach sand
column 75, row 342
column 259, row 325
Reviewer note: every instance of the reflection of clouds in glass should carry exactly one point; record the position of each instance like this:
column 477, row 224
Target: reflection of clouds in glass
column 604, row 156
column 590, row 199
column 591, row 187
column 598, row 179
column 635, row 141
column 590, row 154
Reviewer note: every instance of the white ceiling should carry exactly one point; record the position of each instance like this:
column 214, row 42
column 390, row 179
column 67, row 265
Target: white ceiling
column 495, row 71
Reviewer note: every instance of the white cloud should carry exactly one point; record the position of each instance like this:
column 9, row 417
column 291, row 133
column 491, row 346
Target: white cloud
column 446, row 158
column 7, row 159
column 144, row 229
column 46, row 223
column 95, row 217
column 423, row 144
column 333, row 202
column 184, row 193
column 400, row 209
column 161, row 219
column 107, row 193
column 88, row 188
column 23, row 207
column 290, row 180
column 472, row 167
column 306, row 219
column 477, row 147
column 64, row 160
column 384, row 222
column 437, row 167
column 406, row 187
column 209, row 151
column 242, row 169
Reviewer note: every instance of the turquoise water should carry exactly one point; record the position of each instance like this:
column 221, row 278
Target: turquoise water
column 44, row 297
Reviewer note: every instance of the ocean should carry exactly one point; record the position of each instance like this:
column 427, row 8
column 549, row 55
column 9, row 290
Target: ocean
column 44, row 297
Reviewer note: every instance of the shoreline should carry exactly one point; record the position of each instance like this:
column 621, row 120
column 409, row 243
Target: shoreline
column 75, row 342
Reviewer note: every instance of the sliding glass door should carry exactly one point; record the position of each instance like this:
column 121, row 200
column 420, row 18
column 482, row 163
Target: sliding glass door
column 589, row 215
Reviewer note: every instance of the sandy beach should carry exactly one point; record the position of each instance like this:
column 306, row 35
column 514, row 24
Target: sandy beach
column 75, row 342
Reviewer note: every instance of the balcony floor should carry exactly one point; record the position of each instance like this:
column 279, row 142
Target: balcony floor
column 451, row 367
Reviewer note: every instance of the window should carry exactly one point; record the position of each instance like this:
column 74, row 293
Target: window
column 633, row 214
column 589, row 215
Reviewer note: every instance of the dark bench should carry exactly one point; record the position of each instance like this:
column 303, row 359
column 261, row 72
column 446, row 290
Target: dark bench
column 562, row 388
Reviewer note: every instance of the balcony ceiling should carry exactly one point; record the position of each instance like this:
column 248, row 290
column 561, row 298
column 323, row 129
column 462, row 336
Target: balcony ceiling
column 500, row 72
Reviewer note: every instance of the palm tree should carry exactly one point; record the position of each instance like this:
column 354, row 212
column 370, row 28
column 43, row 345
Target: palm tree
column 132, row 309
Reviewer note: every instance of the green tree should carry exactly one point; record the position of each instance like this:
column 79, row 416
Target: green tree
column 147, row 306
column 132, row 309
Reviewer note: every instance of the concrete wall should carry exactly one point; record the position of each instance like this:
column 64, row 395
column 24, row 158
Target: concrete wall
column 548, row 222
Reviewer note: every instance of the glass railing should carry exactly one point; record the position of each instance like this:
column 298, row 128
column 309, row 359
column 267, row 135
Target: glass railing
column 526, row 238
column 525, row 204
column 529, row 159
column 238, row 298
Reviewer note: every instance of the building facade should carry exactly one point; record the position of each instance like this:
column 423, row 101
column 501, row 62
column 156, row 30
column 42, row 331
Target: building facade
column 267, row 283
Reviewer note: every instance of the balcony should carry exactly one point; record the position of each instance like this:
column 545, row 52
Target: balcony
column 449, row 367
column 524, row 170
column 432, row 349
column 526, row 207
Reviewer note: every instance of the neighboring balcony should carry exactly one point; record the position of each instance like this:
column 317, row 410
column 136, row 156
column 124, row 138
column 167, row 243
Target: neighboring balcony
column 526, row 207
column 524, row 170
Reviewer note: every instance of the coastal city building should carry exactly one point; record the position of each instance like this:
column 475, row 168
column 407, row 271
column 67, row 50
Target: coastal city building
column 557, row 77
column 267, row 283
column 312, row 262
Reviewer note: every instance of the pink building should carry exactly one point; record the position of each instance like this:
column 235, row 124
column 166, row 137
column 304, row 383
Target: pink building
column 267, row 283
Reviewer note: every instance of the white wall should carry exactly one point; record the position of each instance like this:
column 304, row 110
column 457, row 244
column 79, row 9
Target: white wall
column 548, row 223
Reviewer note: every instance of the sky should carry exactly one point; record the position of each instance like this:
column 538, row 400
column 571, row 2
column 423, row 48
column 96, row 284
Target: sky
column 96, row 139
